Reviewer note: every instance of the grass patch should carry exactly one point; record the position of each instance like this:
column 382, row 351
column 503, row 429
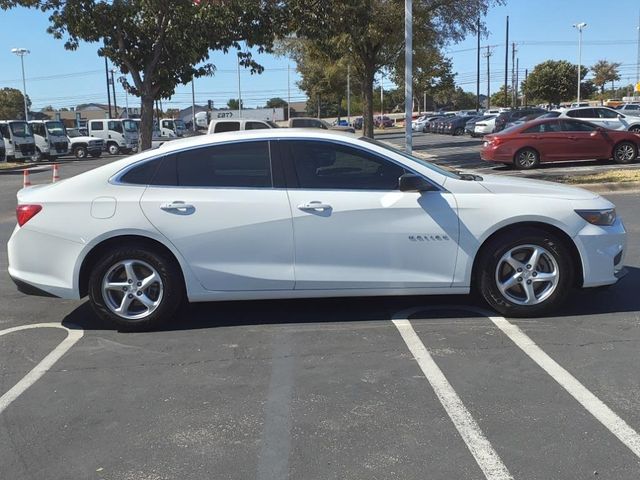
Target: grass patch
column 7, row 165
column 615, row 176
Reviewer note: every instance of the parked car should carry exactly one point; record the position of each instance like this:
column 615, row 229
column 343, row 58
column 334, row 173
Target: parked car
column 532, row 116
column 456, row 126
column 81, row 146
column 215, row 220
column 230, row 125
column 604, row 117
column 629, row 109
column 423, row 123
column 358, row 123
column 484, row 127
column 512, row 115
column 309, row 122
column 341, row 123
column 470, row 126
column 558, row 139
column 382, row 121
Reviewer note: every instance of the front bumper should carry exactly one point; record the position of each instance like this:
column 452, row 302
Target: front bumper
column 602, row 251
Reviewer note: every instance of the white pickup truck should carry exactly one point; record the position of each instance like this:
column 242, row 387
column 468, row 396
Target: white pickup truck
column 82, row 145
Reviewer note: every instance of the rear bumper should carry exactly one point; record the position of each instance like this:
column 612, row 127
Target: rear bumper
column 491, row 154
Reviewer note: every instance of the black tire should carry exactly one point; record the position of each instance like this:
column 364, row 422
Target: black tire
column 458, row 131
column 173, row 294
column 113, row 148
column 486, row 272
column 526, row 159
column 625, row 152
column 80, row 152
column 635, row 129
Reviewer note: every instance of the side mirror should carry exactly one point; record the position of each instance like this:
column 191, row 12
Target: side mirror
column 410, row 182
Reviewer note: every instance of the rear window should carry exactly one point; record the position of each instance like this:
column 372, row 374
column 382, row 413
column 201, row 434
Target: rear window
column 222, row 127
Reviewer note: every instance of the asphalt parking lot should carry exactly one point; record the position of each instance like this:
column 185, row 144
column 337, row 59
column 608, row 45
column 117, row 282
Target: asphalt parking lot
column 378, row 388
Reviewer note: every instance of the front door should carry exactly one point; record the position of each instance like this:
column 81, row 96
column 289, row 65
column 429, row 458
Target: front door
column 585, row 141
column 354, row 229
column 217, row 205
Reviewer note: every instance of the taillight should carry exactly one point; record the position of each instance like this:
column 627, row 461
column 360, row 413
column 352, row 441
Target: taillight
column 24, row 213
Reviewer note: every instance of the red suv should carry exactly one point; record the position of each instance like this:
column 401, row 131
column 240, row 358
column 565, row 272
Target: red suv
column 383, row 121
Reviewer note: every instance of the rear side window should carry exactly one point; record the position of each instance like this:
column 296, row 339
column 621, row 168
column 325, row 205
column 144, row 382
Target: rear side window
column 544, row 128
column 141, row 174
column 222, row 127
column 96, row 126
column 583, row 113
column 245, row 164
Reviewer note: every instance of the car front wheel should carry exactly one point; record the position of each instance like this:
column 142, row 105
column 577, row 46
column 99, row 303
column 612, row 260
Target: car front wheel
column 136, row 288
column 525, row 273
column 80, row 152
column 113, row 149
column 625, row 152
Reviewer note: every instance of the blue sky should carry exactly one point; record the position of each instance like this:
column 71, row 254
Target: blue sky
column 542, row 29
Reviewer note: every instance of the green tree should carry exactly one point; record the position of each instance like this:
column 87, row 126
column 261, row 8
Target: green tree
column 234, row 104
column 553, row 82
column 370, row 33
column 163, row 44
column 605, row 72
column 497, row 98
column 276, row 102
column 12, row 104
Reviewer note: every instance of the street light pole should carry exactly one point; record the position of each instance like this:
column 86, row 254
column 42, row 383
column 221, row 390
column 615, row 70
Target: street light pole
column 408, row 74
column 580, row 26
column 21, row 52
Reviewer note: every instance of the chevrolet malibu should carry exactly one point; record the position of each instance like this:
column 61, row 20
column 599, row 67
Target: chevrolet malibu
column 293, row 213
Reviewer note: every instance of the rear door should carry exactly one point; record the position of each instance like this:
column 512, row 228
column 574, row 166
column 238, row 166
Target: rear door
column 219, row 207
column 354, row 229
column 549, row 140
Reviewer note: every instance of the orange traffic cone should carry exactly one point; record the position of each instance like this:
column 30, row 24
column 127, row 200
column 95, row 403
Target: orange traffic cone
column 56, row 172
column 26, row 182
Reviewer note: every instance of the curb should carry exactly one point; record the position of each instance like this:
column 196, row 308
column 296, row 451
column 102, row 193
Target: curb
column 608, row 187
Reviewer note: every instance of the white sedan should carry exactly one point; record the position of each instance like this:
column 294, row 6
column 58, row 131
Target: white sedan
column 297, row 213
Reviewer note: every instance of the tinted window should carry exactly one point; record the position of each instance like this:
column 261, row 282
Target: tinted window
column 234, row 165
column 332, row 166
column 583, row 113
column 573, row 126
column 5, row 131
column 96, row 125
column 38, row 129
column 604, row 113
column 115, row 126
column 255, row 126
column 227, row 127
column 141, row 174
column 544, row 128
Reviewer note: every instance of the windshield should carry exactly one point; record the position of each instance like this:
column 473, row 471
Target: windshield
column 129, row 126
column 20, row 129
column 442, row 171
column 180, row 125
column 55, row 128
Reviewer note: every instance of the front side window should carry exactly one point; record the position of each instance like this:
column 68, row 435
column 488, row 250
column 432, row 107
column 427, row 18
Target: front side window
column 245, row 164
column 116, row 127
column 606, row 113
column 4, row 129
column 222, row 127
column 325, row 165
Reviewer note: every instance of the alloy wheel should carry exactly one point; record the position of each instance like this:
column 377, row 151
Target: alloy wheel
column 527, row 275
column 527, row 159
column 625, row 153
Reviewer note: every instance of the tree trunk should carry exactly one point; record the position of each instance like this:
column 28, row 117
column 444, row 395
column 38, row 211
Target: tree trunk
column 146, row 125
column 367, row 93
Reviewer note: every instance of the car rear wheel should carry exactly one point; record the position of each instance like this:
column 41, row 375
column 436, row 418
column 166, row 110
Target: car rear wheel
column 113, row 148
column 525, row 273
column 458, row 131
column 625, row 152
column 136, row 288
column 526, row 159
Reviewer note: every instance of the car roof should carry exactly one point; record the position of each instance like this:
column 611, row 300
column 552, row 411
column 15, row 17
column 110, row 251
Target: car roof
column 262, row 134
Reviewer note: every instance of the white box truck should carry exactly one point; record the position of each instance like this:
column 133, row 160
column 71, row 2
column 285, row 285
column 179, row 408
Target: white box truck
column 51, row 139
column 119, row 135
column 19, row 143
column 170, row 127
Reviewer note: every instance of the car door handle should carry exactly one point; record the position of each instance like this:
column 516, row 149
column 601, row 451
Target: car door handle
column 572, row 138
column 178, row 207
column 314, row 206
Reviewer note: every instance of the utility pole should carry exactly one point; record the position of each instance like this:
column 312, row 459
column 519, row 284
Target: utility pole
column 506, row 64
column 349, row 94
column 239, row 92
column 424, row 101
column 478, row 69
column 113, row 86
column 638, row 60
column 106, row 72
column 381, row 94
column 487, row 55
column 193, row 104
column 288, row 91
column 517, row 80
column 408, row 74
column 513, row 74
column 524, row 93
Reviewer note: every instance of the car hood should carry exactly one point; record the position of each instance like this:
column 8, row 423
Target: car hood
column 500, row 184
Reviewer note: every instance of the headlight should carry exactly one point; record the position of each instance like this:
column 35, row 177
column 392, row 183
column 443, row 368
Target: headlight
column 599, row 217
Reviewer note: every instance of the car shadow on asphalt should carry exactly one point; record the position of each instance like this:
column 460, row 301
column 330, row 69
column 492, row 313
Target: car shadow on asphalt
column 619, row 298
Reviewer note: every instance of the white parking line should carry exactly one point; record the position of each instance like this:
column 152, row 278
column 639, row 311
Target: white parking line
column 588, row 400
column 484, row 454
column 45, row 364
